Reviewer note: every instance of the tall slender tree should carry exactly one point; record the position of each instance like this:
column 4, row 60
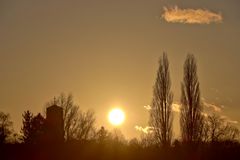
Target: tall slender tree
column 26, row 129
column 191, row 120
column 161, row 113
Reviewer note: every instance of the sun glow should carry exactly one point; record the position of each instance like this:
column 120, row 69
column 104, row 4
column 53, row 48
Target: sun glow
column 116, row 116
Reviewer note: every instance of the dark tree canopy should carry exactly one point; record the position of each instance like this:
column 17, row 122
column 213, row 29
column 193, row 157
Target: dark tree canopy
column 161, row 113
column 33, row 128
column 26, row 129
column 217, row 129
column 191, row 120
column 5, row 127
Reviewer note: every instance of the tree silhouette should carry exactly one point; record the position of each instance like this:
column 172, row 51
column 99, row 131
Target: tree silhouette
column 102, row 135
column 191, row 120
column 38, row 128
column 217, row 129
column 33, row 129
column 118, row 137
column 85, row 126
column 5, row 127
column 148, row 140
column 26, row 129
column 161, row 113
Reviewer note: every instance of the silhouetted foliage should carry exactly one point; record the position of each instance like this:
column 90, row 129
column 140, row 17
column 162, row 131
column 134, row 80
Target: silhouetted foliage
column 161, row 113
column 118, row 137
column 33, row 128
column 85, row 126
column 134, row 143
column 217, row 129
column 191, row 120
column 102, row 135
column 26, row 129
column 5, row 127
column 148, row 140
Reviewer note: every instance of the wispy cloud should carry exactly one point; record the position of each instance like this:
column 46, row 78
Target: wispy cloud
column 232, row 121
column 148, row 107
column 229, row 120
column 218, row 109
column 145, row 130
column 191, row 16
column 204, row 114
column 212, row 106
column 176, row 107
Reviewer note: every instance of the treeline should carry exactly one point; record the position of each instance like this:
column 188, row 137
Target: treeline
column 78, row 125
column 203, row 136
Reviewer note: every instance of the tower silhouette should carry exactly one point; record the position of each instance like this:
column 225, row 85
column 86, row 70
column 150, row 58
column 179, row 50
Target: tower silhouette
column 55, row 125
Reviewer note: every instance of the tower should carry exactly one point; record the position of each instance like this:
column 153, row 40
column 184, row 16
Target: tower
column 55, row 124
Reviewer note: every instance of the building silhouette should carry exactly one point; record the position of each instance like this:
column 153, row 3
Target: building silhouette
column 55, row 124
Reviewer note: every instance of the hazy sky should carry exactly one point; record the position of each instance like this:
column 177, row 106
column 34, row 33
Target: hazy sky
column 105, row 52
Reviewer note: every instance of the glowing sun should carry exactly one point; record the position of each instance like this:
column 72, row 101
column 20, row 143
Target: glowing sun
column 116, row 117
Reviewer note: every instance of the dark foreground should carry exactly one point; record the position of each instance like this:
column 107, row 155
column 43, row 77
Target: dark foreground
column 75, row 151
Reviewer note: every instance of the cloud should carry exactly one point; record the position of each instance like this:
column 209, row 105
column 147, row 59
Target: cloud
column 148, row 107
column 204, row 114
column 145, row 130
column 191, row 16
column 229, row 120
column 176, row 107
column 213, row 107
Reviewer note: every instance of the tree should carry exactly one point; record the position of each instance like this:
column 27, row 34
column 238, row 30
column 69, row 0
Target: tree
column 38, row 128
column 191, row 120
column 217, row 129
column 102, row 135
column 85, row 126
column 134, row 143
column 26, row 129
column 5, row 127
column 78, row 125
column 117, row 137
column 33, row 129
column 148, row 140
column 161, row 113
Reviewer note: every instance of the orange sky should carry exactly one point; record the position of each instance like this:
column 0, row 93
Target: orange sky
column 106, row 53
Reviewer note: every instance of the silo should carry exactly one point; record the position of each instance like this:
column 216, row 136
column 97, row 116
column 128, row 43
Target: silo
column 55, row 125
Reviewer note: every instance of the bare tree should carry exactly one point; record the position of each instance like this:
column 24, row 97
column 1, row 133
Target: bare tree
column 161, row 113
column 148, row 140
column 134, row 143
column 85, row 126
column 118, row 137
column 191, row 120
column 77, row 124
column 102, row 135
column 217, row 129
column 5, row 127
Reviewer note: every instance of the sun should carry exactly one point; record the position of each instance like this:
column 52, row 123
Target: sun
column 116, row 116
